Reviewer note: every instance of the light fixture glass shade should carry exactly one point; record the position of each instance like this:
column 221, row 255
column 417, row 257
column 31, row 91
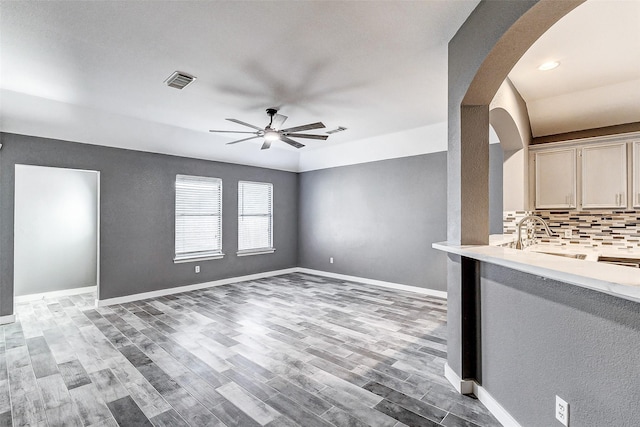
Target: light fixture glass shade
column 271, row 136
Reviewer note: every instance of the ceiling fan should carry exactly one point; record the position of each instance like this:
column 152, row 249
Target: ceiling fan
column 272, row 131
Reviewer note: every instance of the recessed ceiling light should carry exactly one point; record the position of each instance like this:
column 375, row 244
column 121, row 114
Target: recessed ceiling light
column 548, row 66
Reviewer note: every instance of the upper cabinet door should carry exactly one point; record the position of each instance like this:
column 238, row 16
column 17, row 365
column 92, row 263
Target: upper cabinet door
column 636, row 174
column 604, row 176
column 555, row 175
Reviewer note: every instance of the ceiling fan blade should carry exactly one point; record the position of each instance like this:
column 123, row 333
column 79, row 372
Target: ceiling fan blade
column 245, row 124
column 278, row 121
column 310, row 126
column 241, row 140
column 304, row 135
column 266, row 145
column 233, row 131
column 291, row 142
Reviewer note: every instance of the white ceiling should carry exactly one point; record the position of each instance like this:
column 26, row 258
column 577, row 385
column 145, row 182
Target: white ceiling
column 93, row 71
column 598, row 81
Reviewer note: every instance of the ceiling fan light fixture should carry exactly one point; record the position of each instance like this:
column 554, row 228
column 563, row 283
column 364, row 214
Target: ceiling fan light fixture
column 273, row 132
column 271, row 136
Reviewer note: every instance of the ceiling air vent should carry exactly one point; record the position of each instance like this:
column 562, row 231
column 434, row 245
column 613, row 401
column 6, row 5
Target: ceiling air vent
column 179, row 80
column 338, row 129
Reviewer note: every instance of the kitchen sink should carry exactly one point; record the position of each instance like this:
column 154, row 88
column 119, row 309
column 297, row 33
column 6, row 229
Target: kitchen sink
column 627, row 262
column 575, row 256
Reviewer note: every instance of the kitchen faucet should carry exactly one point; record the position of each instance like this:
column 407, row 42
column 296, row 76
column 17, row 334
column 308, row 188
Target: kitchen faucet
column 526, row 218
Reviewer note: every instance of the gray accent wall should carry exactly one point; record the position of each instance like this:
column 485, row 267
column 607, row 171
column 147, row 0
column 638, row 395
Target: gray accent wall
column 378, row 220
column 496, row 193
column 542, row 338
column 137, row 215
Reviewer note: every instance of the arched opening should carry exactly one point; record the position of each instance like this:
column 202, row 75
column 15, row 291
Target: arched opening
column 481, row 55
column 506, row 129
column 514, row 162
column 521, row 331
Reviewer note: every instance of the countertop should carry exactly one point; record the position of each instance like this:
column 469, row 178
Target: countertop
column 619, row 281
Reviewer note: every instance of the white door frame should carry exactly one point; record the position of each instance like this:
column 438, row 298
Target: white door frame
column 61, row 293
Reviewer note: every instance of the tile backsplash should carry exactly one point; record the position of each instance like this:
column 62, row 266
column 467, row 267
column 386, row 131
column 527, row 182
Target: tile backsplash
column 610, row 228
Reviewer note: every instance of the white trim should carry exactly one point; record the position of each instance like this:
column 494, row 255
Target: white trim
column 55, row 294
column 10, row 318
column 461, row 386
column 483, row 396
column 391, row 285
column 494, row 407
column 187, row 288
column 249, row 252
column 196, row 259
column 97, row 233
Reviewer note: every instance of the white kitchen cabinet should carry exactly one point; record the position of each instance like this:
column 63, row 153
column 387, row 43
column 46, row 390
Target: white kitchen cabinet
column 604, row 176
column 555, row 179
column 636, row 174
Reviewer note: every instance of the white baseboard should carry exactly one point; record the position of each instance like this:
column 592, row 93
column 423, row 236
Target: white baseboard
column 467, row 387
column 187, row 288
column 54, row 294
column 495, row 407
column 10, row 318
column 461, row 386
column 390, row 285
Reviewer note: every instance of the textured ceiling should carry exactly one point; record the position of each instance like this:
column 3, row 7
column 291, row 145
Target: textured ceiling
column 94, row 71
column 598, row 81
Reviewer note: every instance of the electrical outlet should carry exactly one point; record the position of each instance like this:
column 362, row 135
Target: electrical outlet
column 567, row 234
column 197, row 269
column 331, row 260
column 562, row 411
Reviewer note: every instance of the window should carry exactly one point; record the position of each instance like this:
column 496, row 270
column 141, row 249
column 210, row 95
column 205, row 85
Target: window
column 255, row 218
column 198, row 218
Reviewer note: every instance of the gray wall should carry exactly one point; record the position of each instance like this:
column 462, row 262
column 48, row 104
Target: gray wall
column 56, row 229
column 542, row 338
column 378, row 220
column 496, row 159
column 137, row 215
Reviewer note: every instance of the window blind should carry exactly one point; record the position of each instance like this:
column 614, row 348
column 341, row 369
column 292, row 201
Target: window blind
column 255, row 216
column 198, row 216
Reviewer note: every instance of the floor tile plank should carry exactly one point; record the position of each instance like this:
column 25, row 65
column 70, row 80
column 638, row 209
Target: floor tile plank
column 127, row 413
column 91, row 407
column 290, row 350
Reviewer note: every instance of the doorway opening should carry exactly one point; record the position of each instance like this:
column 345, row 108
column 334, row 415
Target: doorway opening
column 56, row 232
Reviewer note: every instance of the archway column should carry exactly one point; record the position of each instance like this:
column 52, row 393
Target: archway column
column 481, row 54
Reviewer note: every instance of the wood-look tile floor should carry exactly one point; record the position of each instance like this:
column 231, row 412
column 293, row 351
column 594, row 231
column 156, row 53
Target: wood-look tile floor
column 292, row 350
